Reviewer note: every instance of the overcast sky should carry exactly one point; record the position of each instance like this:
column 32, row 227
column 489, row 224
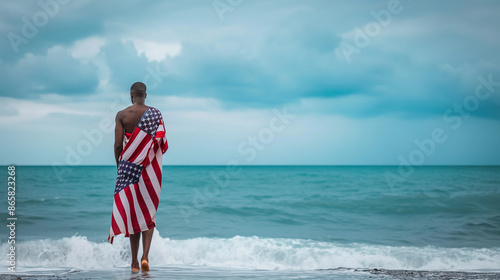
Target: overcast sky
column 254, row 82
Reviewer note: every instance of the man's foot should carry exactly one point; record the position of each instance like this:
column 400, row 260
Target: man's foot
column 135, row 266
column 144, row 265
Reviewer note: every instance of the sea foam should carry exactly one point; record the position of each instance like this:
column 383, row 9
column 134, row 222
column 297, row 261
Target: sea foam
column 252, row 253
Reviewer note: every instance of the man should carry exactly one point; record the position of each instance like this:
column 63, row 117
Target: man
column 139, row 146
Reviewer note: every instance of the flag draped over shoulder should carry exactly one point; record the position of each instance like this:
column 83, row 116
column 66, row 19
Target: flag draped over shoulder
column 138, row 183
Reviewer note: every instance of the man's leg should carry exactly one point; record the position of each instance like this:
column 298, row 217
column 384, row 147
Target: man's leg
column 134, row 247
column 146, row 243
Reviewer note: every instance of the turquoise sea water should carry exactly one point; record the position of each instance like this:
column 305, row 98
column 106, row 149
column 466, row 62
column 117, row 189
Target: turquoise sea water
column 266, row 222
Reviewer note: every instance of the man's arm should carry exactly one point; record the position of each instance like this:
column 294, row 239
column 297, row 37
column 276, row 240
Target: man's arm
column 119, row 134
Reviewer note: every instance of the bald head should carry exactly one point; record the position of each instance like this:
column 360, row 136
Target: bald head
column 138, row 93
column 138, row 90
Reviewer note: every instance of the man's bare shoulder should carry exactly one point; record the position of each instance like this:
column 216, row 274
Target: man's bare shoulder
column 124, row 112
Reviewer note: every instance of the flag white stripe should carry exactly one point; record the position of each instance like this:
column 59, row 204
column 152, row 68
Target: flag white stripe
column 126, row 206
column 138, row 212
column 140, row 158
column 147, row 198
column 159, row 158
column 154, row 180
column 118, row 218
column 130, row 150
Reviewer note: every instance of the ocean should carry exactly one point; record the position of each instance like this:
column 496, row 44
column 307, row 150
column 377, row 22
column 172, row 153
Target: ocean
column 263, row 222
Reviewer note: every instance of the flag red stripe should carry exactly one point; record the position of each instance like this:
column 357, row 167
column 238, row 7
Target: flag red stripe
column 150, row 188
column 133, row 217
column 139, row 148
column 131, row 140
column 164, row 145
column 123, row 215
column 142, row 204
column 160, row 134
column 114, row 226
column 157, row 169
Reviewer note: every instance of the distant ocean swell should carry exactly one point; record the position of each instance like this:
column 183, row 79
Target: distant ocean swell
column 253, row 253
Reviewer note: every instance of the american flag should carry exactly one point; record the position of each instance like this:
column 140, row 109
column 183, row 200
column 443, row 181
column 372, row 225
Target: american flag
column 138, row 183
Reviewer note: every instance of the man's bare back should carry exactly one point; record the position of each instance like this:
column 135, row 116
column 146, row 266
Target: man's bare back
column 131, row 116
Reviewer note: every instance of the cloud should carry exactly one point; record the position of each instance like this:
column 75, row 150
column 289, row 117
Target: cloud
column 21, row 112
column 155, row 51
column 290, row 56
column 87, row 48
column 417, row 66
column 54, row 72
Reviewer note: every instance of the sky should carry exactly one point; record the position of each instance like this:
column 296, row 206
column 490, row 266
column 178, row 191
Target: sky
column 251, row 82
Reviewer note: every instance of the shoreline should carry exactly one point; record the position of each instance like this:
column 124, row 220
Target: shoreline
column 198, row 272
